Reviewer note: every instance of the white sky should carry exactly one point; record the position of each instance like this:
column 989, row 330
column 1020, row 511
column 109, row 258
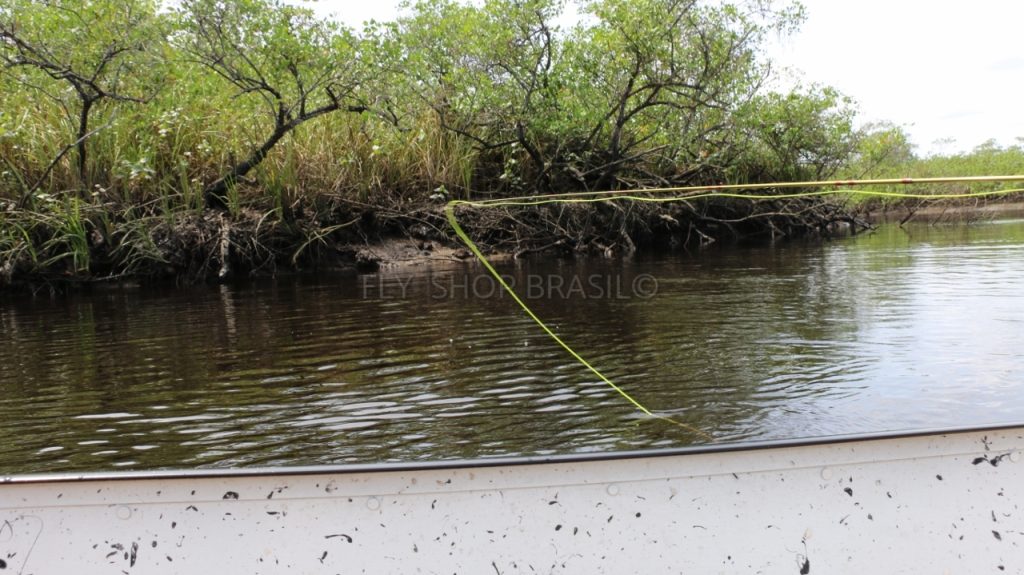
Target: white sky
column 945, row 69
column 941, row 68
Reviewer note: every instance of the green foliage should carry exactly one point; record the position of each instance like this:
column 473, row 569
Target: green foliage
column 987, row 159
column 95, row 45
column 492, row 97
column 641, row 94
column 885, row 152
column 284, row 57
column 799, row 136
column 883, row 149
column 262, row 107
column 76, row 54
column 296, row 66
column 486, row 74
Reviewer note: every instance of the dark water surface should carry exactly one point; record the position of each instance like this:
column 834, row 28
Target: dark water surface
column 888, row 331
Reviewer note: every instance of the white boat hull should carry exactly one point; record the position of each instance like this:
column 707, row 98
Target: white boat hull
column 932, row 503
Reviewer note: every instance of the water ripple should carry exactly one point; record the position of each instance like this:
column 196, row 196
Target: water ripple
column 893, row 330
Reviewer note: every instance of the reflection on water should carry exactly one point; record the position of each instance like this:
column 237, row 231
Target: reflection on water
column 896, row 330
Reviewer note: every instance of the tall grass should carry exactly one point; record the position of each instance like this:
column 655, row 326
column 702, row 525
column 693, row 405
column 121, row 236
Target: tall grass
column 150, row 153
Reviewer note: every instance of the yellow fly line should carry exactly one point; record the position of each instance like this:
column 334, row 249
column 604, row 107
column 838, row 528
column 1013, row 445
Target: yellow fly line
column 739, row 191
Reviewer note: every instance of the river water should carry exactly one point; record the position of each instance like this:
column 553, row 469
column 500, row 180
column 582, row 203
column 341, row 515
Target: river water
column 896, row 330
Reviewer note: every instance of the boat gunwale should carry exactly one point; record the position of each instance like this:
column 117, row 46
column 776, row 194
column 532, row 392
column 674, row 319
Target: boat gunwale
column 488, row 462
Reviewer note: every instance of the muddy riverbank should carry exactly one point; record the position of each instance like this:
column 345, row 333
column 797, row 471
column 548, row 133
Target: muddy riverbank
column 211, row 246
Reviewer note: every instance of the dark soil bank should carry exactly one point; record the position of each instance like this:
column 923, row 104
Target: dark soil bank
column 216, row 245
